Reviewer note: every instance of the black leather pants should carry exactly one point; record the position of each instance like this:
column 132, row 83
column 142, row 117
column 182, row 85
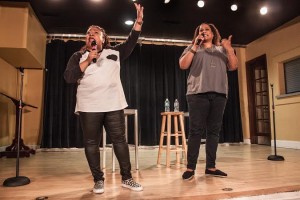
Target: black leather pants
column 114, row 123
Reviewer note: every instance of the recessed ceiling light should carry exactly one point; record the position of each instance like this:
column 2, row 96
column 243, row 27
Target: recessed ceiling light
column 200, row 3
column 233, row 7
column 263, row 10
column 167, row 1
column 129, row 22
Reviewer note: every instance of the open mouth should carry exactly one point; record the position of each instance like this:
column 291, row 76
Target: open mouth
column 91, row 39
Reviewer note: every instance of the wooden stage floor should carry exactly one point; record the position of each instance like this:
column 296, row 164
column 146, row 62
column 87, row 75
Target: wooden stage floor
column 64, row 174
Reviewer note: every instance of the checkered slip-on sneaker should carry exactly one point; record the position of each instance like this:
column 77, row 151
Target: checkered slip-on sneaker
column 131, row 184
column 99, row 187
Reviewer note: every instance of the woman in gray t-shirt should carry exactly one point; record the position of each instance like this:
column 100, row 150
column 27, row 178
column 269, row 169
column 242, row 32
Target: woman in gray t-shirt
column 208, row 59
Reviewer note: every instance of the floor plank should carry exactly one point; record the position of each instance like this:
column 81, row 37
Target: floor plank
column 65, row 174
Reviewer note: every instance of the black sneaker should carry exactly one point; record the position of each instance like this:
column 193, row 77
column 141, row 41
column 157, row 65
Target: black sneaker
column 217, row 172
column 99, row 187
column 188, row 175
column 131, row 184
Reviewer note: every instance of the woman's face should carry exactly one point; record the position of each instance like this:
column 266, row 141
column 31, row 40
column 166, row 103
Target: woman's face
column 206, row 31
column 96, row 34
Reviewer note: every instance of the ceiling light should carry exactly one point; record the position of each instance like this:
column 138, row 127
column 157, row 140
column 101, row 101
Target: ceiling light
column 234, row 7
column 167, row 1
column 129, row 22
column 200, row 3
column 263, row 10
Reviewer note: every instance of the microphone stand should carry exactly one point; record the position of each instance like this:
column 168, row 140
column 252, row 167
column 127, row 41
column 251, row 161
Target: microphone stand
column 18, row 180
column 274, row 157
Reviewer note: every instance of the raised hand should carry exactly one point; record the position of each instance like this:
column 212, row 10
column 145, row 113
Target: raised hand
column 226, row 43
column 232, row 59
column 139, row 12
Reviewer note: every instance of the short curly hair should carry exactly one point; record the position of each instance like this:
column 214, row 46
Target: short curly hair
column 106, row 38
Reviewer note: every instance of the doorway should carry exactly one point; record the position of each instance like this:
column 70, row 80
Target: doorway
column 258, row 98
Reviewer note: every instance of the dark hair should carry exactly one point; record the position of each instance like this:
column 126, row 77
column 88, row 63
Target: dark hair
column 217, row 37
column 106, row 38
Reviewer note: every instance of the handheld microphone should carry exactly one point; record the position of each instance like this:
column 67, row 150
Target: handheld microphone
column 94, row 47
column 199, row 41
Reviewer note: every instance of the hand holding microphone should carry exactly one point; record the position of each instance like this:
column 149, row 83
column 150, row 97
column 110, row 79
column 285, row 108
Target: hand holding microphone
column 94, row 47
column 200, row 40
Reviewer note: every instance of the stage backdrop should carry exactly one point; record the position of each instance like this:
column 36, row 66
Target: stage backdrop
column 149, row 76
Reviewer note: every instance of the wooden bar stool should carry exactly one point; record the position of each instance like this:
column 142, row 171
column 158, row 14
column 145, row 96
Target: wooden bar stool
column 166, row 122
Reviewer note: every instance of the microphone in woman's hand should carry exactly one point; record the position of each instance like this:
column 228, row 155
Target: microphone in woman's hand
column 199, row 41
column 94, row 47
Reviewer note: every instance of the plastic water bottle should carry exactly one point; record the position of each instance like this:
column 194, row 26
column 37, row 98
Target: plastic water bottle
column 176, row 105
column 167, row 105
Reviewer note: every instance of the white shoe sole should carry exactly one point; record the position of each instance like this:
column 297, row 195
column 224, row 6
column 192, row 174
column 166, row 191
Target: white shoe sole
column 134, row 189
column 98, row 191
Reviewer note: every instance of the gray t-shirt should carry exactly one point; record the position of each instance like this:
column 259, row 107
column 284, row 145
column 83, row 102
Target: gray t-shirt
column 208, row 71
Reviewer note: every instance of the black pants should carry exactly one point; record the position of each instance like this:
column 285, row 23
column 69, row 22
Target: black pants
column 205, row 116
column 114, row 123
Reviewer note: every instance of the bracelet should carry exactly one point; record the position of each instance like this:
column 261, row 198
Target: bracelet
column 192, row 51
column 139, row 23
column 232, row 51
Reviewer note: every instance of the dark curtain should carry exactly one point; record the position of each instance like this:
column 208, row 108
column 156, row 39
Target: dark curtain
column 61, row 127
column 149, row 76
column 232, row 123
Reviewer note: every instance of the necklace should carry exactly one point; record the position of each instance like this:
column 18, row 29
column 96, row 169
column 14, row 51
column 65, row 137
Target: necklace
column 210, row 52
column 210, row 49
